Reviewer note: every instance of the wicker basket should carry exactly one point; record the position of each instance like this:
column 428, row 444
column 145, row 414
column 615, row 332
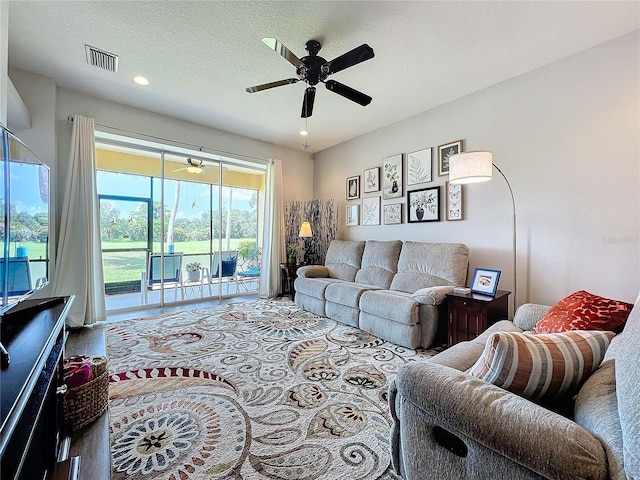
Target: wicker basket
column 87, row 402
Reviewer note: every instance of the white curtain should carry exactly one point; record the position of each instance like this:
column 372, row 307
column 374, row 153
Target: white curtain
column 273, row 240
column 78, row 262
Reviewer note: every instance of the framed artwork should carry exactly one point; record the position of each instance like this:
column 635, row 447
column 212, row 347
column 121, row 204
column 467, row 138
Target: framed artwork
column 353, row 212
column 444, row 152
column 485, row 281
column 371, row 211
column 392, row 214
column 353, row 187
column 424, row 205
column 454, row 201
column 392, row 177
column 371, row 179
column 419, row 167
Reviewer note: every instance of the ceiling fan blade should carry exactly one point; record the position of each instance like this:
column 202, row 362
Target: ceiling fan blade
column 348, row 92
column 180, row 169
column 279, row 48
column 349, row 59
column 307, row 103
column 266, row 86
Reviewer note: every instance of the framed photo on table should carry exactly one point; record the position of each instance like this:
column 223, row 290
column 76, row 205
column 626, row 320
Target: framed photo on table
column 485, row 281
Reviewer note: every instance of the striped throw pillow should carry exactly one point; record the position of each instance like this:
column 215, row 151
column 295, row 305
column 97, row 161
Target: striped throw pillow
column 541, row 367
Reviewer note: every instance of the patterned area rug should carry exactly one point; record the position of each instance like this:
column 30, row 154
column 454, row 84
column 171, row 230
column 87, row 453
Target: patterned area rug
column 252, row 390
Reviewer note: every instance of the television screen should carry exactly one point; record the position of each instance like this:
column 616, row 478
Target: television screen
column 24, row 232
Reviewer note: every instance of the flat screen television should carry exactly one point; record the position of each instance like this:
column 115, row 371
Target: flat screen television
column 24, row 230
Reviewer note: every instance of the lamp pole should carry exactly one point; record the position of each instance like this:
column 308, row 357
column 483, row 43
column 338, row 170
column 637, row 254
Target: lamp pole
column 515, row 257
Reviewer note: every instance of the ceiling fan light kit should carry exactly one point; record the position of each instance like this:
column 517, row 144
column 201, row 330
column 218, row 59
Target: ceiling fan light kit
column 313, row 69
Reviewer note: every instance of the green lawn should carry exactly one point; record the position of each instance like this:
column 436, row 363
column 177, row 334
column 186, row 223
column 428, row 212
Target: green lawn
column 127, row 266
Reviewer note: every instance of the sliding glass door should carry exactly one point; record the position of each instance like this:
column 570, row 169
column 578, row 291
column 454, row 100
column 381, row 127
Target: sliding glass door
column 177, row 226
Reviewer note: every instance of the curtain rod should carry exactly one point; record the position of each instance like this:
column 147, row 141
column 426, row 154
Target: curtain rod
column 200, row 148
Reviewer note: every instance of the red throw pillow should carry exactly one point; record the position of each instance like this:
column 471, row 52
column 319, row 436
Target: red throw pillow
column 584, row 311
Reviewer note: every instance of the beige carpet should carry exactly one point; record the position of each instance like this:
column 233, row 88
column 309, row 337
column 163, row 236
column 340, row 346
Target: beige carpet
column 253, row 390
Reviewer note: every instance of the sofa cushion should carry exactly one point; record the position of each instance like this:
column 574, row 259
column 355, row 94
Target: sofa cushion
column 343, row 259
column 396, row 306
column 379, row 263
column 541, row 367
column 424, row 265
column 584, row 311
column 344, row 293
column 314, row 287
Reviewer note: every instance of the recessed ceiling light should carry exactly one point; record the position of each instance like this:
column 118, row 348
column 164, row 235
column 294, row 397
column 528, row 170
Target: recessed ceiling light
column 304, row 133
column 140, row 80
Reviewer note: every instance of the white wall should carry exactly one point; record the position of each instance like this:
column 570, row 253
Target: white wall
column 567, row 138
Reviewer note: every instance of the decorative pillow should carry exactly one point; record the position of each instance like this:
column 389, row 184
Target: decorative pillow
column 541, row 367
column 584, row 311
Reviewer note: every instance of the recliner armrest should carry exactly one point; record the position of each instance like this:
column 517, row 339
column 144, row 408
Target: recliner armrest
column 528, row 314
column 432, row 295
column 313, row 271
column 466, row 412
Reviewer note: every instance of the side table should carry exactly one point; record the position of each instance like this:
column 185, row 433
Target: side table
column 287, row 278
column 471, row 314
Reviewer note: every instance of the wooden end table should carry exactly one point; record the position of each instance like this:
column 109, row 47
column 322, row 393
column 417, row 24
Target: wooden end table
column 471, row 314
column 288, row 276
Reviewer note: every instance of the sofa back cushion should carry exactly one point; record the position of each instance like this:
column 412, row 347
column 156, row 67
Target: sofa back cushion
column 423, row 265
column 379, row 263
column 625, row 350
column 343, row 259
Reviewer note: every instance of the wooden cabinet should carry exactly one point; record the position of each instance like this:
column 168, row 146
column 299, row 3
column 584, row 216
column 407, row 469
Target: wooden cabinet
column 471, row 314
column 31, row 407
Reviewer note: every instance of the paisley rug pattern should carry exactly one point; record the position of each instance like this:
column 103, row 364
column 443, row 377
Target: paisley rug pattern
column 252, row 390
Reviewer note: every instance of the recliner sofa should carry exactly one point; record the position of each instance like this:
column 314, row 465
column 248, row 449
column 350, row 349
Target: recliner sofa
column 392, row 289
column 449, row 424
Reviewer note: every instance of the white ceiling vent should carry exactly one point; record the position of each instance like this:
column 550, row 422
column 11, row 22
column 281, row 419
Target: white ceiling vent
column 101, row 59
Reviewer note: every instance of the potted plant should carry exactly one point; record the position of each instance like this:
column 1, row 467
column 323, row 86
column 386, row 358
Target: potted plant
column 193, row 271
column 292, row 254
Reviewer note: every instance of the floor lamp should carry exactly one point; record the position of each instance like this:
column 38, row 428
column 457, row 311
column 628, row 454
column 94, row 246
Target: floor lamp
column 474, row 167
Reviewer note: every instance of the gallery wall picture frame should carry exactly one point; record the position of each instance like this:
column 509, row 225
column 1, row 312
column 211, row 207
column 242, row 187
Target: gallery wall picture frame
column 392, row 177
column 454, row 201
column 392, row 214
column 353, row 187
column 371, row 210
column 423, row 205
column 353, row 215
column 444, row 152
column 419, row 167
column 371, row 180
column 485, row 281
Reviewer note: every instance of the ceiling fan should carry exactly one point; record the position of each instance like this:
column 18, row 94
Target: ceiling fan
column 313, row 69
column 194, row 166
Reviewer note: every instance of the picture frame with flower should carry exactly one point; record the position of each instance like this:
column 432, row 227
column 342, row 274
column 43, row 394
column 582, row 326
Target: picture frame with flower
column 424, row 205
column 392, row 177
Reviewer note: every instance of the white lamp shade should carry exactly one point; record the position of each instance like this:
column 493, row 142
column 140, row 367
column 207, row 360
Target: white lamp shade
column 470, row 167
column 193, row 169
column 305, row 230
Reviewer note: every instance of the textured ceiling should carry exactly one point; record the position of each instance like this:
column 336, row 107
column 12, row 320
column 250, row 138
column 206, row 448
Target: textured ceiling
column 200, row 56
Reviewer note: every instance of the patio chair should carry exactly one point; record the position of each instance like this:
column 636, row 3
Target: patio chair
column 225, row 265
column 250, row 271
column 19, row 276
column 153, row 275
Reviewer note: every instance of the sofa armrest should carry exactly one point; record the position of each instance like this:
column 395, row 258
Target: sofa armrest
column 491, row 423
column 313, row 271
column 528, row 314
column 431, row 295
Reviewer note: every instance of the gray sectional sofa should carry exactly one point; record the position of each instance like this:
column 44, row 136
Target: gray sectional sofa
column 393, row 289
column 448, row 424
